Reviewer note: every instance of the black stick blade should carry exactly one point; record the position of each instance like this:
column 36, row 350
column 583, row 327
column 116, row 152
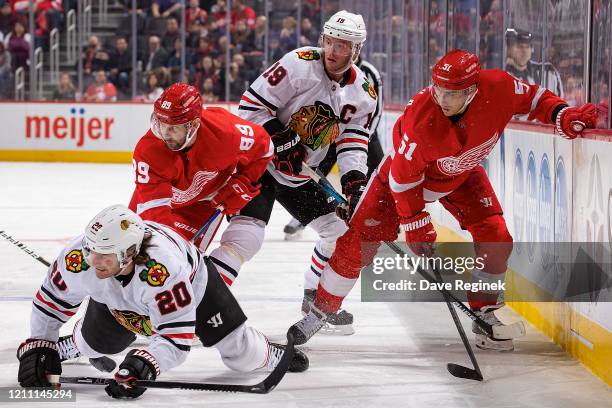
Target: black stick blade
column 463, row 372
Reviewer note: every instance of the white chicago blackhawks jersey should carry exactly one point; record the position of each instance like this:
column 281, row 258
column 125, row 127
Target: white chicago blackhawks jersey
column 158, row 299
column 297, row 91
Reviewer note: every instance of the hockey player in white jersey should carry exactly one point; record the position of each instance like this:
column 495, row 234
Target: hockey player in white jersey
column 309, row 99
column 293, row 229
column 144, row 278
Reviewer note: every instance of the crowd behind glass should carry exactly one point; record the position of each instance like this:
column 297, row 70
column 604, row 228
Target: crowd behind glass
column 221, row 46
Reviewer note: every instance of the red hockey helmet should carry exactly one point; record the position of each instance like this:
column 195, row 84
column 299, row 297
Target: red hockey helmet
column 456, row 70
column 180, row 103
column 176, row 115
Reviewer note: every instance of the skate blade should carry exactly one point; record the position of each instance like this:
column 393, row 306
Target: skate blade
column 484, row 343
column 339, row 330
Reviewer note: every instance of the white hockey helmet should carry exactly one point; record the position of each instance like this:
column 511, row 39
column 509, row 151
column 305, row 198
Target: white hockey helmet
column 115, row 230
column 347, row 26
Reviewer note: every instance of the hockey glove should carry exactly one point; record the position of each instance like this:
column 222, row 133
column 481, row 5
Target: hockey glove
column 420, row 233
column 289, row 152
column 138, row 365
column 37, row 360
column 572, row 120
column 235, row 194
column 353, row 185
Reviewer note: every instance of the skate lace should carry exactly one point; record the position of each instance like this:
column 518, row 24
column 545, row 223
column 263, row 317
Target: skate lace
column 275, row 353
column 310, row 324
column 67, row 348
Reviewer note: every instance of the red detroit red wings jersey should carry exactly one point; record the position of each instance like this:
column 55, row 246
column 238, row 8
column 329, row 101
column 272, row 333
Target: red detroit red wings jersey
column 432, row 155
column 225, row 144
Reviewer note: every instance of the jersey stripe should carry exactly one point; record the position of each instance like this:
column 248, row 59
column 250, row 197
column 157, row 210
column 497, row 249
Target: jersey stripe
column 49, row 313
column 249, row 100
column 248, row 108
column 357, row 131
column 186, row 336
column 190, row 323
column 53, row 306
column 181, row 347
column 60, row 302
column 401, row 187
column 351, row 140
column 348, row 149
column 160, row 202
column 224, row 266
column 261, row 99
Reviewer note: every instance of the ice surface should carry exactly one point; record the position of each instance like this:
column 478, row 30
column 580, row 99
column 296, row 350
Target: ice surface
column 397, row 358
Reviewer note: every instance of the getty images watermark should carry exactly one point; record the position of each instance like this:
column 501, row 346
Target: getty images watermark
column 410, row 264
column 536, row 272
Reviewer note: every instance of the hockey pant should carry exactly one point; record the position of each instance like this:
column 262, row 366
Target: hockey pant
column 474, row 204
column 220, row 322
column 308, row 203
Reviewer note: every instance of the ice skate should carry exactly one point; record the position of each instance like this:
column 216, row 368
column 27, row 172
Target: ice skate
column 483, row 341
column 293, row 230
column 339, row 323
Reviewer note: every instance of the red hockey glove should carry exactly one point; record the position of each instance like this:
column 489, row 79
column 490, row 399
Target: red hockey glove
column 572, row 120
column 353, row 185
column 289, row 153
column 235, row 194
column 420, row 233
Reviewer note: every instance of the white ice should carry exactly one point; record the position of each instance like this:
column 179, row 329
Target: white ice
column 397, row 358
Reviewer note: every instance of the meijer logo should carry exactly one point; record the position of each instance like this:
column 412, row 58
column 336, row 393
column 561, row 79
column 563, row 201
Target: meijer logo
column 76, row 126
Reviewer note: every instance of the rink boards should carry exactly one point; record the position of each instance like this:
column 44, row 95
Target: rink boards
column 551, row 189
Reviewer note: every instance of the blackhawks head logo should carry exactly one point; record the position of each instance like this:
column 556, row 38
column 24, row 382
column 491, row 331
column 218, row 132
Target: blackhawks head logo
column 155, row 274
column 367, row 86
column 310, row 55
column 133, row 321
column 316, row 124
column 75, row 261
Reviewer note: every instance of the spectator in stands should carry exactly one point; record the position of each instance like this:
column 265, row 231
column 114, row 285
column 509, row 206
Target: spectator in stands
column 259, row 34
column 242, row 12
column 208, row 92
column 120, row 65
column 65, row 91
column 288, row 35
column 7, row 19
column 153, row 88
column 18, row 42
column 94, row 57
column 195, row 17
column 174, row 63
column 275, row 51
column 157, row 56
column 242, row 37
column 309, row 36
column 164, row 8
column 205, row 48
column 219, row 14
column 101, row 90
column 204, row 70
column 172, row 33
column 6, row 73
column 520, row 64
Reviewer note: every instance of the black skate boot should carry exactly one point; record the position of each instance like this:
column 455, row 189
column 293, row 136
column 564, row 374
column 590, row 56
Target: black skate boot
column 339, row 323
column 68, row 351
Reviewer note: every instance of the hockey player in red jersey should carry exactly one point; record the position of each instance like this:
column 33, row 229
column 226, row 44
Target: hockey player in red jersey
column 194, row 160
column 446, row 130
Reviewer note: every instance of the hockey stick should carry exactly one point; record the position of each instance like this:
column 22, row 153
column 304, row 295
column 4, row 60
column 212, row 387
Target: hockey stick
column 503, row 332
column 456, row 369
column 206, row 225
column 263, row 387
column 24, row 248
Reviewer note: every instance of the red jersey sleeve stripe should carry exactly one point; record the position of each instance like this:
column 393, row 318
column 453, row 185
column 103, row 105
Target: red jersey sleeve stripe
column 53, row 306
column 187, row 336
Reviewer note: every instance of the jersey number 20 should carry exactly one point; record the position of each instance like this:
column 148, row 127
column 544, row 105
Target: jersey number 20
column 167, row 301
